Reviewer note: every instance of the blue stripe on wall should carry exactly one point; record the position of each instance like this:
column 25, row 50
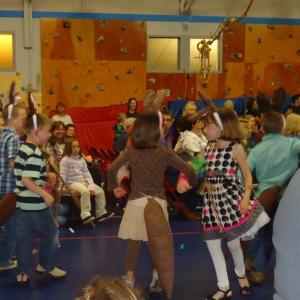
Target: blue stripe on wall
column 144, row 17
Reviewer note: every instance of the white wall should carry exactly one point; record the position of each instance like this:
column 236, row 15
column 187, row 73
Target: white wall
column 27, row 61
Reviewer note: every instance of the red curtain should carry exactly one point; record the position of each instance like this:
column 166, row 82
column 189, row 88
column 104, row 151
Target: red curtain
column 94, row 126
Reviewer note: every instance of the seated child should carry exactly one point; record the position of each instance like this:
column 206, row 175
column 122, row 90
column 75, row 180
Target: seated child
column 119, row 127
column 74, row 172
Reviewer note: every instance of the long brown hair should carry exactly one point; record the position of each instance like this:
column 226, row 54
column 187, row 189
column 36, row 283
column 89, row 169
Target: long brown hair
column 145, row 133
column 232, row 130
column 68, row 147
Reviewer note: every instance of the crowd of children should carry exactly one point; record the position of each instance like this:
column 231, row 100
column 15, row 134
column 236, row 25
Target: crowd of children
column 214, row 150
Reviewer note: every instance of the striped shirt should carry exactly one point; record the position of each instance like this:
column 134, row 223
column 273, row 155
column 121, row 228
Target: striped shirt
column 9, row 146
column 30, row 163
column 74, row 169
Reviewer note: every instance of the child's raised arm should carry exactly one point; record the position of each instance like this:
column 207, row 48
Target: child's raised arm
column 173, row 160
column 240, row 156
column 122, row 159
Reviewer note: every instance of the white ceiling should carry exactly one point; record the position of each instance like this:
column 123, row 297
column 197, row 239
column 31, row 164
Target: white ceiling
column 261, row 8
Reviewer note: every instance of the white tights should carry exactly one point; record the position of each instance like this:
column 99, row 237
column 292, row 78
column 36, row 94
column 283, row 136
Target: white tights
column 215, row 250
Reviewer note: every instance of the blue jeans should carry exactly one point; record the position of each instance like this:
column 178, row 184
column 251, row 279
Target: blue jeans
column 28, row 223
column 8, row 240
column 261, row 247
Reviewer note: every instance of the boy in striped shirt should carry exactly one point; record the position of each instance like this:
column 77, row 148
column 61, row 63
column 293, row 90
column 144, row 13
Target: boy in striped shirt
column 33, row 203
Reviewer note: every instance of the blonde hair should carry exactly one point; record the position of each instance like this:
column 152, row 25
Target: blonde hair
column 292, row 125
column 229, row 104
column 187, row 107
column 109, row 289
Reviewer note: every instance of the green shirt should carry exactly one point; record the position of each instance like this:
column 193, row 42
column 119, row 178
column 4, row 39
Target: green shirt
column 274, row 161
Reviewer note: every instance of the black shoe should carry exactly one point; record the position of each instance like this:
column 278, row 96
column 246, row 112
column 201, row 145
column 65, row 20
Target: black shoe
column 104, row 217
column 220, row 293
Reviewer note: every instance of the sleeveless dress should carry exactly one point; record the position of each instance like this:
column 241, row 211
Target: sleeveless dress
column 221, row 216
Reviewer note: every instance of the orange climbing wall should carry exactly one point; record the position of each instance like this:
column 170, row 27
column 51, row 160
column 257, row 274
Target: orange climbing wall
column 98, row 63
column 255, row 57
column 91, row 62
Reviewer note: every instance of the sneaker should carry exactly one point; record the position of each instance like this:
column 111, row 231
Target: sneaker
column 88, row 219
column 104, row 217
column 10, row 266
column 56, row 273
column 128, row 282
column 155, row 285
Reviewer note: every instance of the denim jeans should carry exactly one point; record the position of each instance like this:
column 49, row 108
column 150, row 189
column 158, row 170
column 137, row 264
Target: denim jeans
column 261, row 247
column 28, row 223
column 8, row 240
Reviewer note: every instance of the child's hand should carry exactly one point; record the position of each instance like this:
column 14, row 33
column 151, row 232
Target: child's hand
column 49, row 200
column 119, row 192
column 244, row 206
column 183, row 187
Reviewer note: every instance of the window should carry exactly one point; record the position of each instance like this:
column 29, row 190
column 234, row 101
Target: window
column 163, row 54
column 195, row 60
column 7, row 61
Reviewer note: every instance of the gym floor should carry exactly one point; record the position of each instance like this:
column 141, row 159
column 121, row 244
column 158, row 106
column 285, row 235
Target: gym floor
column 88, row 252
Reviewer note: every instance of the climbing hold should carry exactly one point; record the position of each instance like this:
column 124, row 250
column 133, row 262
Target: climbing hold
column 79, row 37
column 100, row 87
column 74, row 87
column 123, row 50
column 287, row 66
column 298, row 52
column 271, row 27
column 87, row 95
column 56, row 35
column 66, row 24
column 51, row 91
column 259, row 40
column 151, row 80
column 250, row 29
column 90, row 70
column 100, row 39
column 54, row 73
column 117, row 76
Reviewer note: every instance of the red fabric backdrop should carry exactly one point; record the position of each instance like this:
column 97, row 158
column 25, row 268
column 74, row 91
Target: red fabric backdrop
column 94, row 126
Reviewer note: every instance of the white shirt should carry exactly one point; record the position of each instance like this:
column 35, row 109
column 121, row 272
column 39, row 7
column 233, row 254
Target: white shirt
column 66, row 119
column 190, row 142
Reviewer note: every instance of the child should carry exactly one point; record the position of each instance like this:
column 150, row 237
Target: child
column 119, row 127
column 274, row 161
column 109, row 289
column 33, row 202
column 74, row 171
column 61, row 115
column 147, row 158
column 13, row 116
column 228, row 212
column 190, row 146
column 191, row 141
